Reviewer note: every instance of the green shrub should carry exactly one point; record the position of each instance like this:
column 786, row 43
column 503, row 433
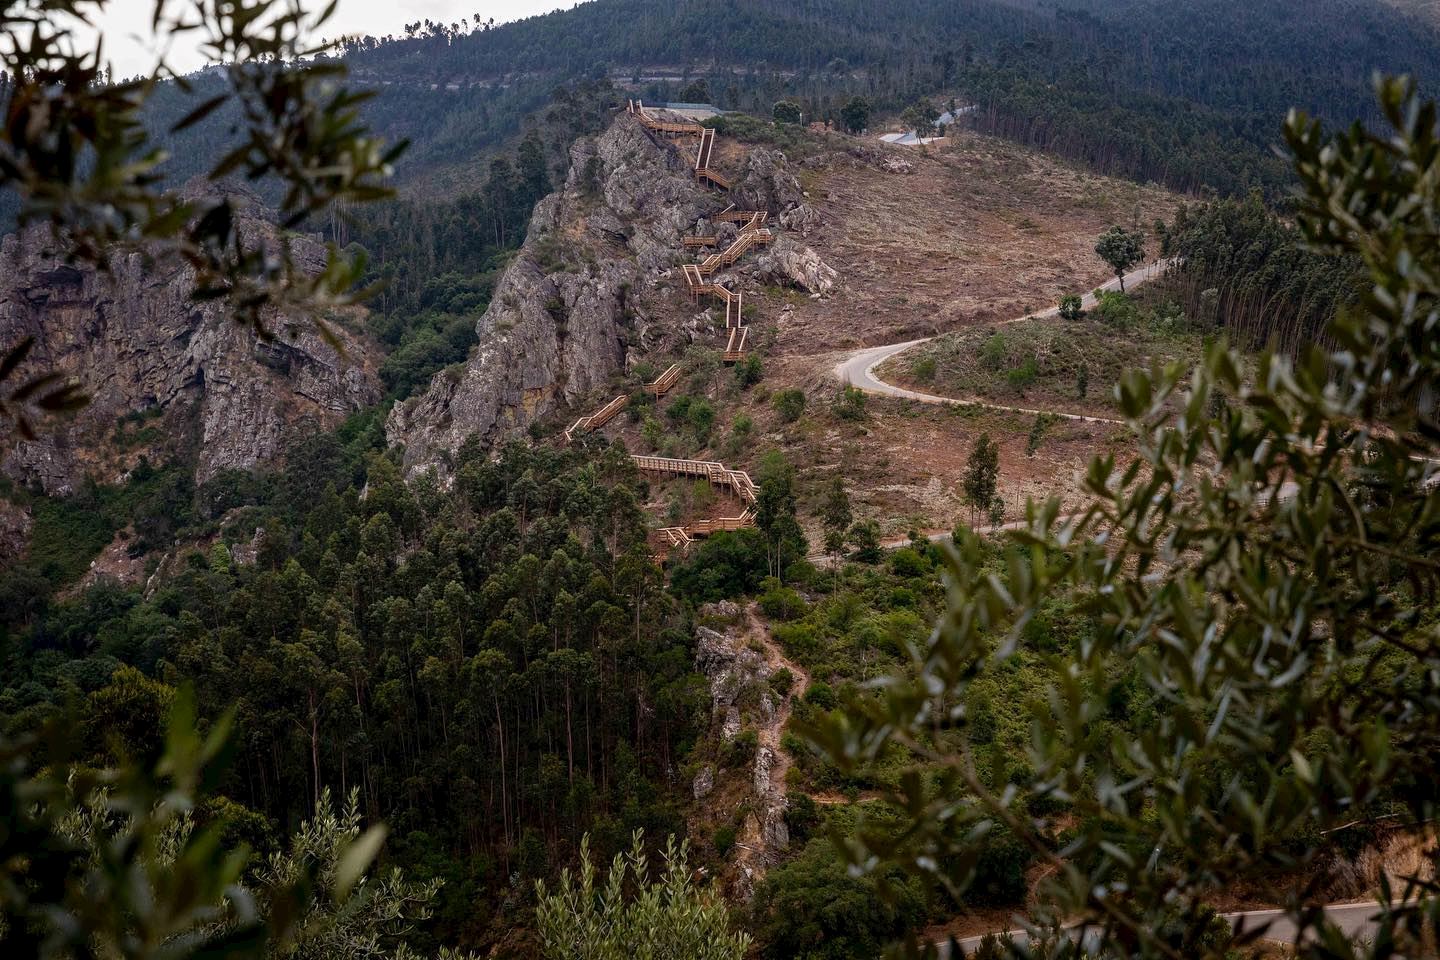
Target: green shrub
column 850, row 404
column 740, row 751
column 749, row 371
column 908, row 563
column 1024, row 375
column 782, row 603
column 814, row 908
column 994, row 353
column 798, row 640
column 724, row 840
column 781, row 681
column 821, row 694
column 790, row 404
column 923, row 370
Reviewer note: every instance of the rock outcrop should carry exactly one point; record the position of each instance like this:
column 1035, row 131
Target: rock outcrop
column 788, row 263
column 567, row 309
column 144, row 350
column 739, row 666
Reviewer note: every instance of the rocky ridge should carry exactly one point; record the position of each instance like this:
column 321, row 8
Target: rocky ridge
column 566, row 310
column 147, row 353
column 580, row 301
column 738, row 663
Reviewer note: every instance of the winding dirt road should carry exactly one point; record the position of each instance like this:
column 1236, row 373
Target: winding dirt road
column 858, row 369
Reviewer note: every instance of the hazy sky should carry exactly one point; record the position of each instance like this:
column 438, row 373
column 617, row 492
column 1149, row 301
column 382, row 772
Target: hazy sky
column 131, row 48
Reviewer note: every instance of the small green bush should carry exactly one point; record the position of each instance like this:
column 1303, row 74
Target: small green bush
column 782, row 603
column 781, row 681
column 1024, row 375
column 790, row 404
column 923, row 370
column 850, row 404
column 821, row 694
column 994, row 353
column 724, row 840
column 740, row 751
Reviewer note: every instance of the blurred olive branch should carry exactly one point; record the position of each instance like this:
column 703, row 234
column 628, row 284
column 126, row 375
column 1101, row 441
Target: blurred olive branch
column 76, row 153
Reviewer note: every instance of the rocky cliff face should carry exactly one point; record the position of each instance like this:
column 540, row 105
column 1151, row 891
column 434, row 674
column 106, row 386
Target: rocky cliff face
column 739, row 662
column 175, row 368
column 567, row 309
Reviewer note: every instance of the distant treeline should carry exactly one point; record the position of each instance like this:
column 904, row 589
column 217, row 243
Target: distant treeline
column 1243, row 269
column 1187, row 94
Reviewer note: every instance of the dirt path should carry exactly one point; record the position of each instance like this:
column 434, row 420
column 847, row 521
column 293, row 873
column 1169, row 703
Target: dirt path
column 760, row 842
column 769, row 733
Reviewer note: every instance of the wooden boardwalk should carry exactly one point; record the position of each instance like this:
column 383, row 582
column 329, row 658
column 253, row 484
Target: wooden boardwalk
column 737, row 481
column 688, row 136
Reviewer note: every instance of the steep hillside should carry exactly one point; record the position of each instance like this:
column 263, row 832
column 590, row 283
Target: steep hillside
column 593, row 291
column 960, row 238
column 169, row 376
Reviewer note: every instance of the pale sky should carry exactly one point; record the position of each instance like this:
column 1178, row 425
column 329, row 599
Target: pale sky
column 131, row 49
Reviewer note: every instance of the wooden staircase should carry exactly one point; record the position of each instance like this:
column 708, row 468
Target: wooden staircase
column 605, row 414
column 757, row 237
column 737, row 481
column 597, row 419
column 665, row 381
column 692, row 134
column 688, row 136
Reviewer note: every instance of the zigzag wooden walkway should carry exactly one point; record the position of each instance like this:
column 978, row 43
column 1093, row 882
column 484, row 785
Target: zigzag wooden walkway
column 753, row 233
column 720, row 476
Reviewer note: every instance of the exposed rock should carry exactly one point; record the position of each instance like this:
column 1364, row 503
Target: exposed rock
column 562, row 315
column 119, row 562
column 15, row 522
column 773, row 827
column 141, row 346
column 766, row 183
column 733, row 667
column 704, row 782
column 800, row 219
column 730, row 667
column 764, row 760
column 787, row 262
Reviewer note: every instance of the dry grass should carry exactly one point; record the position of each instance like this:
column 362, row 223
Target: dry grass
column 979, row 232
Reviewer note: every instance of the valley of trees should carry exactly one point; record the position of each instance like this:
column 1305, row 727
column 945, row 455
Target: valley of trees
column 1206, row 677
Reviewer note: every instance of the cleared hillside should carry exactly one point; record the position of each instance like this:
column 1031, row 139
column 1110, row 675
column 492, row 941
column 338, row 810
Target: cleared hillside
column 956, row 239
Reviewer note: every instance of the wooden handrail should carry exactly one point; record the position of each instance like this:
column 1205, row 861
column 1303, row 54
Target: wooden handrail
column 597, row 419
column 665, row 381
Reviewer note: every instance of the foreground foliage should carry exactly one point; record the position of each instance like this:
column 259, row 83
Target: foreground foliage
column 632, row 918
column 76, row 156
column 136, row 860
column 1265, row 570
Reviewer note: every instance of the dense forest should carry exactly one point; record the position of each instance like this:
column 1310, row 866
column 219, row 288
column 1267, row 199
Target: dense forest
column 1244, row 269
column 1187, row 94
column 1190, row 95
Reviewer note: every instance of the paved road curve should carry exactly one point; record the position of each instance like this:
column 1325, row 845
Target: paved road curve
column 1356, row 920
column 858, row 369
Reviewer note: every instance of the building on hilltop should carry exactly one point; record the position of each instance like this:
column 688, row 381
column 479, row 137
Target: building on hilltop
column 912, row 138
column 693, row 111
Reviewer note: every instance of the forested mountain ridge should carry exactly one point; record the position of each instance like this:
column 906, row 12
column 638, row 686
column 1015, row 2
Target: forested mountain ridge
column 1187, row 94
column 1153, row 90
